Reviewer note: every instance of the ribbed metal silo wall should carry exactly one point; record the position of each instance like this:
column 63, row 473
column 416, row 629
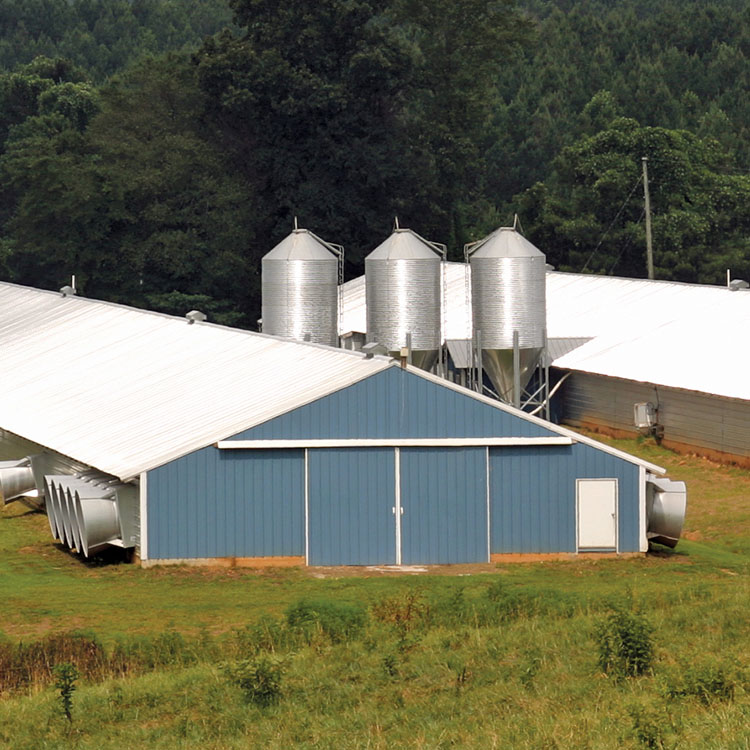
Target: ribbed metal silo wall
column 300, row 299
column 403, row 296
column 217, row 504
column 533, row 497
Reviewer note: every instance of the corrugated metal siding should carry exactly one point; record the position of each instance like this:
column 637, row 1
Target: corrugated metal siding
column 215, row 503
column 395, row 404
column 533, row 497
column 350, row 506
column 444, row 498
column 711, row 422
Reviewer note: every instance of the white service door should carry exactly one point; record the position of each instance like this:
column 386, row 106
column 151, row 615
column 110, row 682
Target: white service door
column 597, row 514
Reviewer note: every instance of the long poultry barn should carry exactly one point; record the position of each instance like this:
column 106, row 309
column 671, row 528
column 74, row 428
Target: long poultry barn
column 617, row 344
column 187, row 441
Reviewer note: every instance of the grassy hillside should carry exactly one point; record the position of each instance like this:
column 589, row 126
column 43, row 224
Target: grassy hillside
column 506, row 656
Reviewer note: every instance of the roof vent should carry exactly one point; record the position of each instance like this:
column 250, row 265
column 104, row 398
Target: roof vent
column 194, row 315
column 69, row 289
column 373, row 348
column 736, row 285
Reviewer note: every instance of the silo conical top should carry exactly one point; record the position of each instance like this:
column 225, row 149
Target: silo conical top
column 404, row 244
column 300, row 288
column 402, row 281
column 301, row 244
column 505, row 242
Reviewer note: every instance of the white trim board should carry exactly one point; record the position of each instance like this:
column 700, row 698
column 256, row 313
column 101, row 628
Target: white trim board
column 481, row 442
column 143, row 516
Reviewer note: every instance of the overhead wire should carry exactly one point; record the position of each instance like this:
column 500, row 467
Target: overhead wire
column 625, row 245
column 612, row 223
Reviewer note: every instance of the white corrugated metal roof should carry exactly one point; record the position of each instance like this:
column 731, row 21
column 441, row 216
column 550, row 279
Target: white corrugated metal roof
column 126, row 390
column 686, row 336
column 679, row 335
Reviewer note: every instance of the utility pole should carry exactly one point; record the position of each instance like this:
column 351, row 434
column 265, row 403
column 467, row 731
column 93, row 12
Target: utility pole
column 647, row 198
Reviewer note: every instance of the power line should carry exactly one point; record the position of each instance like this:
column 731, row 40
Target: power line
column 617, row 216
column 625, row 245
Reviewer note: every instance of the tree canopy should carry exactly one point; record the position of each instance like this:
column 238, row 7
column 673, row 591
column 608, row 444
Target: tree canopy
column 157, row 150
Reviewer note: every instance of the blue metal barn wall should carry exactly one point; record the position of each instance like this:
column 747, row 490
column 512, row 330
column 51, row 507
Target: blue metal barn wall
column 533, row 491
column 250, row 503
column 214, row 503
column 394, row 404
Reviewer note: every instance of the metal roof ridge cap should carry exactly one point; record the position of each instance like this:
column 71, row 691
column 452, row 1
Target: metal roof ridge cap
column 577, row 437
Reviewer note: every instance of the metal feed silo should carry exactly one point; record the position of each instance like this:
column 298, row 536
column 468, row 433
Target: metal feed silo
column 508, row 294
column 299, row 285
column 402, row 281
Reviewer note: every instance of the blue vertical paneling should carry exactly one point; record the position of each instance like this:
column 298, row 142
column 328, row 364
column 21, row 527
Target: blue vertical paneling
column 395, row 404
column 350, row 507
column 533, row 496
column 444, row 497
column 214, row 503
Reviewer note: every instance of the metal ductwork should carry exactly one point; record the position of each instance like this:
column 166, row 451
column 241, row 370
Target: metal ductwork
column 666, row 503
column 88, row 512
column 54, row 516
column 16, row 479
column 98, row 518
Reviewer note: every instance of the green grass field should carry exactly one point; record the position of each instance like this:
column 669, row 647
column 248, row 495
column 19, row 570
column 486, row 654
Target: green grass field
column 507, row 657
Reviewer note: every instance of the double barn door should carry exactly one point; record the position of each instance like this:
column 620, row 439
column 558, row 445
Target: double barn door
column 409, row 506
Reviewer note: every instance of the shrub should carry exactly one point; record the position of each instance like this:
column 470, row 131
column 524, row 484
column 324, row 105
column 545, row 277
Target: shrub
column 267, row 634
column 259, row 679
column 707, row 682
column 406, row 612
column 649, row 727
column 65, row 682
column 625, row 645
column 336, row 620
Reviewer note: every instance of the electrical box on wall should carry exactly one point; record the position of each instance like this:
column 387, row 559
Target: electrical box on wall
column 646, row 418
column 644, row 415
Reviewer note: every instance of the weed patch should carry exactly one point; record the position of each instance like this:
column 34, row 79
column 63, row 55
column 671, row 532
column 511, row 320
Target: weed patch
column 259, row 679
column 337, row 621
column 624, row 643
column 707, row 682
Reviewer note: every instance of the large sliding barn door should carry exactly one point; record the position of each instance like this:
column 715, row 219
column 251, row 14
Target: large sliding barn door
column 351, row 500
column 443, row 501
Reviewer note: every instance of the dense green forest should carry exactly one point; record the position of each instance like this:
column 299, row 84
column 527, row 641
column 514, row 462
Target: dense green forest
column 157, row 149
